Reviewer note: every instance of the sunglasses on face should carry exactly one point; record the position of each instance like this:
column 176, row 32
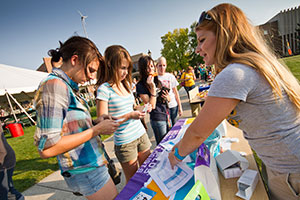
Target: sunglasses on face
column 204, row 16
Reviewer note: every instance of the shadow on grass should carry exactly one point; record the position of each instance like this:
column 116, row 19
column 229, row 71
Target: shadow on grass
column 23, row 184
column 31, row 171
column 37, row 164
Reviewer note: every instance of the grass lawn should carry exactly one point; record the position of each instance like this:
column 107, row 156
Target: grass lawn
column 293, row 63
column 30, row 168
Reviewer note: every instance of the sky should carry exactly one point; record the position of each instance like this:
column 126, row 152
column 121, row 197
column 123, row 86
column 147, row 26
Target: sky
column 28, row 29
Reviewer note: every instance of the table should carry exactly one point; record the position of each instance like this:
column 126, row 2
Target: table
column 228, row 186
column 195, row 101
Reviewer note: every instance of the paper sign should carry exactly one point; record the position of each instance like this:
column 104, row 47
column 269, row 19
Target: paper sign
column 143, row 194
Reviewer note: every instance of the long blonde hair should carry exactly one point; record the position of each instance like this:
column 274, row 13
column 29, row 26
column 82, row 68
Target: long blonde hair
column 240, row 42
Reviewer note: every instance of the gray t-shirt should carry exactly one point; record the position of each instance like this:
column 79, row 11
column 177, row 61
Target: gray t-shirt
column 271, row 125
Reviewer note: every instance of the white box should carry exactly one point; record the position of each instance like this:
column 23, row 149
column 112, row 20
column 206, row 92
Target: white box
column 247, row 183
column 231, row 164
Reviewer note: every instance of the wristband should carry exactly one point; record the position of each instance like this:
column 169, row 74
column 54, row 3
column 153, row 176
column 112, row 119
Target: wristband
column 152, row 95
column 176, row 154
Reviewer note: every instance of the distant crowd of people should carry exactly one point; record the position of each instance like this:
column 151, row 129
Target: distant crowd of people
column 251, row 88
column 202, row 72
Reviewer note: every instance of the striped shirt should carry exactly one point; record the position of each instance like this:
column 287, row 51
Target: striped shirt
column 61, row 112
column 118, row 105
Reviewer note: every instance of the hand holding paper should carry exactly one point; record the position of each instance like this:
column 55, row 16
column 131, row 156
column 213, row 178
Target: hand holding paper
column 170, row 180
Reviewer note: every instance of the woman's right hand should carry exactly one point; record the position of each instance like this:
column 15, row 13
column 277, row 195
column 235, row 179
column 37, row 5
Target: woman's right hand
column 150, row 81
column 106, row 127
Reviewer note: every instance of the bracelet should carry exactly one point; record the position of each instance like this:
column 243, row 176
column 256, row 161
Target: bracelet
column 176, row 154
column 152, row 95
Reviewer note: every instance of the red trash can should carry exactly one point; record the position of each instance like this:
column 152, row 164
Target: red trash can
column 15, row 129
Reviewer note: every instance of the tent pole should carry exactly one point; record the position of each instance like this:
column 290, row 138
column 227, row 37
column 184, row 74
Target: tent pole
column 12, row 110
column 87, row 90
column 22, row 108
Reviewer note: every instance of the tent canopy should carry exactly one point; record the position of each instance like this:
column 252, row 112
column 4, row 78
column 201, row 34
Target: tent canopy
column 16, row 80
column 21, row 83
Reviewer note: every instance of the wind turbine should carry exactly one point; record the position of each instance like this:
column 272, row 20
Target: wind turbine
column 83, row 17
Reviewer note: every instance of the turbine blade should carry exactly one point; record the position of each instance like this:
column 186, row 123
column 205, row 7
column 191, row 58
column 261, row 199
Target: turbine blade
column 79, row 13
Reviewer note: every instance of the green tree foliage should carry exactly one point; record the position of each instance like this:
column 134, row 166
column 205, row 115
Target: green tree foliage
column 194, row 59
column 176, row 49
column 179, row 48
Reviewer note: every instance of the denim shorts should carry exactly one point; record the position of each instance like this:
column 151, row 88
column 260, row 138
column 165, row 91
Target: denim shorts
column 90, row 182
column 128, row 152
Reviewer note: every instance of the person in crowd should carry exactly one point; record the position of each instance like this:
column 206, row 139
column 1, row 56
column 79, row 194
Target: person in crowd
column 115, row 97
column 7, row 165
column 175, row 74
column 151, row 90
column 169, row 81
column 253, row 91
column 210, row 75
column 203, row 72
column 2, row 112
column 138, row 101
column 189, row 79
column 64, row 125
column 179, row 74
column 133, row 88
column 196, row 72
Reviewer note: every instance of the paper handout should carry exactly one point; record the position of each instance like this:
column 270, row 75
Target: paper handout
column 170, row 180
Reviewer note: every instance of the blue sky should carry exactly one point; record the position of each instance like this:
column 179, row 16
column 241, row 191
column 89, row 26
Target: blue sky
column 30, row 28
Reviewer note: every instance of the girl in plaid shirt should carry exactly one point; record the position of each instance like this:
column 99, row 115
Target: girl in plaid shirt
column 64, row 125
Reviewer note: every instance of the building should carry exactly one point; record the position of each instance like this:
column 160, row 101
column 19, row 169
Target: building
column 135, row 58
column 47, row 65
column 281, row 31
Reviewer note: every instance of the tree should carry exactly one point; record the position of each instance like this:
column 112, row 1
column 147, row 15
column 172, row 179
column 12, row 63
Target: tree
column 176, row 49
column 194, row 59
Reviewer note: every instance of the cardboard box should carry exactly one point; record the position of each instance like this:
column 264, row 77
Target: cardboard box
column 231, row 164
column 193, row 98
column 195, row 101
column 247, row 183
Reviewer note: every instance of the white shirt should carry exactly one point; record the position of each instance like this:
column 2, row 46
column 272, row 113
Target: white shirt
column 168, row 80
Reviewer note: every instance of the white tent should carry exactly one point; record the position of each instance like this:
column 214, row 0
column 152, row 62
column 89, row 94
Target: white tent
column 16, row 80
column 18, row 83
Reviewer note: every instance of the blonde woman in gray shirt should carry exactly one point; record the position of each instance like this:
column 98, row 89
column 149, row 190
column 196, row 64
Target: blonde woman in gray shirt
column 254, row 91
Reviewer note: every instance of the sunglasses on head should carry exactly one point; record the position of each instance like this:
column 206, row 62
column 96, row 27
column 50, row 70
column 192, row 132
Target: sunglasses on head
column 204, row 16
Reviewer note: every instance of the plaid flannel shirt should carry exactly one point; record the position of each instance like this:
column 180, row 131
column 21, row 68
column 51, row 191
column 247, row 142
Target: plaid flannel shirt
column 61, row 112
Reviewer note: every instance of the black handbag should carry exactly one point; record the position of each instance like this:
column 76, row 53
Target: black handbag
column 113, row 171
